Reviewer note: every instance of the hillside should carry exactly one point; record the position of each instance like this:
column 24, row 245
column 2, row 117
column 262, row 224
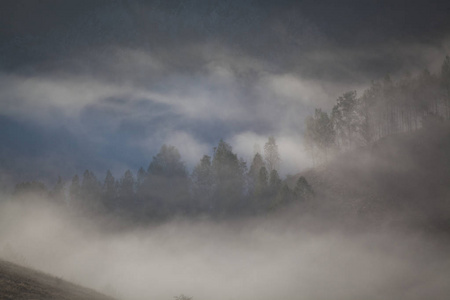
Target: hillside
column 17, row 282
column 405, row 174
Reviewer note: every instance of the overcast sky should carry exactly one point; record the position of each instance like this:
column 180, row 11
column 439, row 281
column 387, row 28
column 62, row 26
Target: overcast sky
column 103, row 84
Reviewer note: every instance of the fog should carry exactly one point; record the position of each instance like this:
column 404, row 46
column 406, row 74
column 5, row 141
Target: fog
column 103, row 85
column 286, row 255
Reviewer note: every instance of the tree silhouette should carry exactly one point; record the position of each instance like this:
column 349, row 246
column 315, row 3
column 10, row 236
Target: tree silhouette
column 203, row 184
column 229, row 179
column 303, row 191
column 271, row 154
column 109, row 191
column 75, row 190
column 319, row 135
column 166, row 187
column 167, row 163
column 57, row 194
column 127, row 192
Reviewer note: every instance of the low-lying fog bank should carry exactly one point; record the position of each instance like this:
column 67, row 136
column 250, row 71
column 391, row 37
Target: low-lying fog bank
column 281, row 256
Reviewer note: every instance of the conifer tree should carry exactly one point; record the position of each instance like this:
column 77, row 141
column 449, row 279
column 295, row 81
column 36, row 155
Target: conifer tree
column 274, row 182
column 257, row 164
column 57, row 194
column 75, row 191
column 166, row 187
column 271, row 155
column 203, row 184
column 303, row 191
column 109, row 191
column 262, row 183
column 228, row 178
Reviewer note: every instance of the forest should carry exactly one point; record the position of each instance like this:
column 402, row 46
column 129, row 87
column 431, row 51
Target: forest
column 228, row 150
column 386, row 108
column 219, row 186
column 224, row 185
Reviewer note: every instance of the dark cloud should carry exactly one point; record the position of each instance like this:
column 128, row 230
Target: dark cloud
column 338, row 41
column 126, row 76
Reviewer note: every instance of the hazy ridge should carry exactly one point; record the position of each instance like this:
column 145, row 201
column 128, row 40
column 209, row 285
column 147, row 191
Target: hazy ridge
column 406, row 175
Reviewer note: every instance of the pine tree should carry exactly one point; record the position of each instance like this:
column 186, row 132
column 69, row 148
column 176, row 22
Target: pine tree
column 257, row 164
column 109, row 191
column 57, row 194
column 319, row 135
column 127, row 192
column 228, row 178
column 274, row 182
column 285, row 196
column 203, row 184
column 90, row 187
column 166, row 187
column 141, row 175
column 303, row 191
column 262, row 183
column 167, row 163
column 90, row 193
column 75, row 191
column 271, row 154
column 345, row 119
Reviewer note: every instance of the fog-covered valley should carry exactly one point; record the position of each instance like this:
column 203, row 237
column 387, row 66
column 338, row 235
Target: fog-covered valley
column 280, row 256
column 350, row 242
column 224, row 149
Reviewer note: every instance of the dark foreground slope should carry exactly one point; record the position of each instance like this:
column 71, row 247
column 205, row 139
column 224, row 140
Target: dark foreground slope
column 402, row 176
column 17, row 282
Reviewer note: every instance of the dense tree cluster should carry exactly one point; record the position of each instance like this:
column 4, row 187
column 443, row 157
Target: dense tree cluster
column 220, row 185
column 386, row 107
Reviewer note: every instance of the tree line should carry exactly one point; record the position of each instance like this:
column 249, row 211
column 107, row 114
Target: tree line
column 221, row 185
column 385, row 108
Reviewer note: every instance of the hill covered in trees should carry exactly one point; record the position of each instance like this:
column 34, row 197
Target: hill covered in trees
column 386, row 108
column 219, row 186
column 401, row 177
column 372, row 153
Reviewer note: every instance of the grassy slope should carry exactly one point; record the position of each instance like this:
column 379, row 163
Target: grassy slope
column 17, row 282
